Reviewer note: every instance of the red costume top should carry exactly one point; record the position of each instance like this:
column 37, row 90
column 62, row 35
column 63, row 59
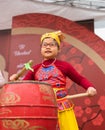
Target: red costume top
column 66, row 69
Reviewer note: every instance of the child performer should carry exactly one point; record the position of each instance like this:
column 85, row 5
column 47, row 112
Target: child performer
column 55, row 72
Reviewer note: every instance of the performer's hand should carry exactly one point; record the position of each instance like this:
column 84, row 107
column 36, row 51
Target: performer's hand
column 13, row 77
column 91, row 91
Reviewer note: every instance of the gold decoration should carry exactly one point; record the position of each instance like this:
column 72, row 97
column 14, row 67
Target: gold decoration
column 46, row 89
column 5, row 111
column 47, row 98
column 9, row 98
column 20, row 125
column 16, row 124
column 48, row 92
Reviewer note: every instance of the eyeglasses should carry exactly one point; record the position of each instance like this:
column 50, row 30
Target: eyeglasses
column 52, row 44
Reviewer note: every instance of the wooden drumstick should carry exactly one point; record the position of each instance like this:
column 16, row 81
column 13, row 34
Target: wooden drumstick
column 77, row 95
column 27, row 66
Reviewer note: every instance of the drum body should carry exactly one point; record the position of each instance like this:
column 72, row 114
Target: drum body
column 27, row 105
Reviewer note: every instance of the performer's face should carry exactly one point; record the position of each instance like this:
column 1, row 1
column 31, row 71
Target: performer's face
column 49, row 48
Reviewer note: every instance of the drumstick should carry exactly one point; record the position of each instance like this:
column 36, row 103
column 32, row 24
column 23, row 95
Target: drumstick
column 27, row 66
column 77, row 95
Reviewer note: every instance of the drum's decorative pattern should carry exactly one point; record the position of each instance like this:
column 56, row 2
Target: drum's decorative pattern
column 5, row 111
column 43, row 89
column 20, row 125
column 9, row 98
column 15, row 124
column 27, row 105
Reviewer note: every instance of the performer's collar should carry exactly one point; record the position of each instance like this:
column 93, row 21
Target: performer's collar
column 49, row 62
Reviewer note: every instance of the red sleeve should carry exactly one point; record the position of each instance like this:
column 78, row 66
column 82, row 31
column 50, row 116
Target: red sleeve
column 31, row 75
column 68, row 70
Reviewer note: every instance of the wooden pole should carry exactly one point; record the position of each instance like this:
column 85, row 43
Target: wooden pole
column 77, row 95
column 22, row 71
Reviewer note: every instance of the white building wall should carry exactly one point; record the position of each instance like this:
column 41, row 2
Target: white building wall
column 100, row 28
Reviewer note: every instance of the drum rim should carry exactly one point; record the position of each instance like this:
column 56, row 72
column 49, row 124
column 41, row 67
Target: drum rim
column 28, row 81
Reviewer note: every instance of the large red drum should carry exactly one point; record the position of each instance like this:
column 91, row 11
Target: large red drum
column 27, row 105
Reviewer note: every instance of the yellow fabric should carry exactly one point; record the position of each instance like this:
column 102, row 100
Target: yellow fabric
column 57, row 35
column 66, row 117
column 52, row 35
column 67, row 120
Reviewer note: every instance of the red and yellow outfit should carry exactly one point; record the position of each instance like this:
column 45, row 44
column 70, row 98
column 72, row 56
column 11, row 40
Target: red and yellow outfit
column 55, row 73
